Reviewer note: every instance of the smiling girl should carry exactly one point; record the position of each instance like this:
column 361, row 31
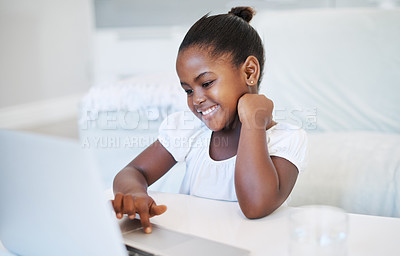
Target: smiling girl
column 233, row 149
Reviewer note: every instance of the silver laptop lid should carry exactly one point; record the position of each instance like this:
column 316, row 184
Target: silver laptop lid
column 52, row 200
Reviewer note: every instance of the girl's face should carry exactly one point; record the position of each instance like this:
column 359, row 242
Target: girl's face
column 213, row 86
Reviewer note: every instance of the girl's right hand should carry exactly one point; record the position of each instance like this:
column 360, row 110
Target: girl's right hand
column 141, row 204
column 255, row 110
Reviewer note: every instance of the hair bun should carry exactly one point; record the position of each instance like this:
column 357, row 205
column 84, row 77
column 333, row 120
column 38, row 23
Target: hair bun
column 243, row 12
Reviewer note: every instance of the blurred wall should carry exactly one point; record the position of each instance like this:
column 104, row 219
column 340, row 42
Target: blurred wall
column 134, row 37
column 45, row 49
column 52, row 51
column 133, row 13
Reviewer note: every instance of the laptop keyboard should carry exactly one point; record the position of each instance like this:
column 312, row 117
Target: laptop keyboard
column 136, row 252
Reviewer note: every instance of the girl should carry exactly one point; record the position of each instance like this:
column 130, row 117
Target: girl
column 232, row 148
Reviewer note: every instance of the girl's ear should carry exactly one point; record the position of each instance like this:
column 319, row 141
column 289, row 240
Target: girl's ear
column 251, row 68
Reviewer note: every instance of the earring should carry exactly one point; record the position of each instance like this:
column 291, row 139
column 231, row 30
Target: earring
column 252, row 82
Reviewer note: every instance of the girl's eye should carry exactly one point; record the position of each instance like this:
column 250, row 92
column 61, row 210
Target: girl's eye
column 206, row 84
column 189, row 92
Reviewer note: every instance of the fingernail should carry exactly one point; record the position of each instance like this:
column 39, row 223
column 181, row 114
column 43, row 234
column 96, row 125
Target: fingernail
column 119, row 215
column 147, row 230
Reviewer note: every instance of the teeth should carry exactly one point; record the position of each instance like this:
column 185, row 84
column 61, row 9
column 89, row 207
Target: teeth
column 208, row 111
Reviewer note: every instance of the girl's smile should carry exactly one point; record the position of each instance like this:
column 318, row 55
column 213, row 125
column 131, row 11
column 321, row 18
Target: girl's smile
column 209, row 111
column 213, row 86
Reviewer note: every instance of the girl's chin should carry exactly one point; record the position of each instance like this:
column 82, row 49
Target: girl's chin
column 215, row 129
column 212, row 123
column 217, row 124
column 214, row 126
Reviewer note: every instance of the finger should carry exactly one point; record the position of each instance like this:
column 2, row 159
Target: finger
column 157, row 209
column 145, row 220
column 117, row 205
column 128, row 206
column 142, row 208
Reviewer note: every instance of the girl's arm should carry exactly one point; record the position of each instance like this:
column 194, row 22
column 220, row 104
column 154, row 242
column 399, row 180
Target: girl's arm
column 262, row 182
column 130, row 184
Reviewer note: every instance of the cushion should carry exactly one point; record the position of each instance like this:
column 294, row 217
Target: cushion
column 358, row 171
column 333, row 69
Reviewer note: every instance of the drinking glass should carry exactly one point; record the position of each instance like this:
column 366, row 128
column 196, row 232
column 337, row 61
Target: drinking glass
column 318, row 230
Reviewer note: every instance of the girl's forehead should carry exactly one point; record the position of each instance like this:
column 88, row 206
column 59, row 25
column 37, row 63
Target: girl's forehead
column 197, row 56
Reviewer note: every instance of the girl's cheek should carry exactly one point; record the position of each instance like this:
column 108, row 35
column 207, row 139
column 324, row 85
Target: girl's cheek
column 190, row 105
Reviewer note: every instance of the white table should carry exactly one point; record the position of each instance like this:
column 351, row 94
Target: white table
column 224, row 222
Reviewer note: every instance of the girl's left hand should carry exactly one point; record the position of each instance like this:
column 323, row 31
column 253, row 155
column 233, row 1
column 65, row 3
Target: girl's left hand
column 255, row 110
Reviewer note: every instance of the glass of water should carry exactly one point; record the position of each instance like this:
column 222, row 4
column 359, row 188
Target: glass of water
column 318, row 230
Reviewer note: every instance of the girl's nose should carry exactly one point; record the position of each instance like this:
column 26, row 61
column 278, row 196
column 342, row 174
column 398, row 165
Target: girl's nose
column 198, row 99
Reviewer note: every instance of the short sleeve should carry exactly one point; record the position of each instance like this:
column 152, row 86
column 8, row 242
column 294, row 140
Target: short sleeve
column 289, row 142
column 177, row 133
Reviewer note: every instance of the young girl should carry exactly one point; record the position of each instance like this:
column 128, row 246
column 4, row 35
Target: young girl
column 232, row 148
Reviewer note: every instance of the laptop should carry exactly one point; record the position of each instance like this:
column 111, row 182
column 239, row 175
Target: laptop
column 53, row 203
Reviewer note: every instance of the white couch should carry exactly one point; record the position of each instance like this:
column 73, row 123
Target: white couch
column 334, row 72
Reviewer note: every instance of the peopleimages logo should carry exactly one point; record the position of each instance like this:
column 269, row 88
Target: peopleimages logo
column 302, row 117
column 139, row 129
column 151, row 118
column 123, row 119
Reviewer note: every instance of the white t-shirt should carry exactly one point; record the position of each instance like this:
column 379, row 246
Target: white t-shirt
column 188, row 139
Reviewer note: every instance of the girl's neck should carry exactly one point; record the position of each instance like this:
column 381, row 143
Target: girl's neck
column 224, row 143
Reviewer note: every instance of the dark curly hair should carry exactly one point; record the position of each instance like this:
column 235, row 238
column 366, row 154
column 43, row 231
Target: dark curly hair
column 228, row 33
